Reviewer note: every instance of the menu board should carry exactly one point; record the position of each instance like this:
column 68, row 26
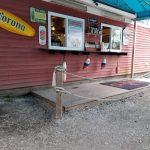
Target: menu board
column 75, row 34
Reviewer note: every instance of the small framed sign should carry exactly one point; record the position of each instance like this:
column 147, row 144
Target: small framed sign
column 126, row 36
column 38, row 15
column 92, row 20
column 42, row 35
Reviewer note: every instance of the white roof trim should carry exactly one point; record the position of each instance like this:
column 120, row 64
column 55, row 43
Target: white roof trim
column 107, row 8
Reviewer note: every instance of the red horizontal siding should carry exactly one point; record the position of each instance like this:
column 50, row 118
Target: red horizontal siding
column 23, row 63
column 142, row 61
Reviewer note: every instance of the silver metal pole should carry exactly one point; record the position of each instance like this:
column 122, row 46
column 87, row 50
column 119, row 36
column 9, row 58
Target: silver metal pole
column 133, row 50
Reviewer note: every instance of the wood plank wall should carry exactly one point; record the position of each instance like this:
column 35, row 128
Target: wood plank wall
column 23, row 63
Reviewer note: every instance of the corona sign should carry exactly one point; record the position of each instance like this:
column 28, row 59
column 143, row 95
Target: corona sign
column 12, row 23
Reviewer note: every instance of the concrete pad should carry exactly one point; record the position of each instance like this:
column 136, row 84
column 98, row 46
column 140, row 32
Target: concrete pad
column 81, row 94
column 143, row 79
column 86, row 94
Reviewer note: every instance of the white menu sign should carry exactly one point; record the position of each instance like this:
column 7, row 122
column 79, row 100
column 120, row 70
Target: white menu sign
column 75, row 34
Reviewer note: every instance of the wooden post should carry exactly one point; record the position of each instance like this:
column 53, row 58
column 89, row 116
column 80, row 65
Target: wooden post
column 59, row 83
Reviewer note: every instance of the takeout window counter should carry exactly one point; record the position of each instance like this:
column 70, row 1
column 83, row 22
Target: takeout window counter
column 65, row 32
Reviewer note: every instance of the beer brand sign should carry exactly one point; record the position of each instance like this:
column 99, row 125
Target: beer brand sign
column 14, row 24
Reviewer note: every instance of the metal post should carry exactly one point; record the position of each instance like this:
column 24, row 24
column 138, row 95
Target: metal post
column 133, row 50
column 59, row 83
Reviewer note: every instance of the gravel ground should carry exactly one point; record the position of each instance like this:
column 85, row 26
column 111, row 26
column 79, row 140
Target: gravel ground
column 121, row 125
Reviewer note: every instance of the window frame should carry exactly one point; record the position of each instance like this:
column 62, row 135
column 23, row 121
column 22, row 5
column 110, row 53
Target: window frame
column 66, row 17
column 113, row 27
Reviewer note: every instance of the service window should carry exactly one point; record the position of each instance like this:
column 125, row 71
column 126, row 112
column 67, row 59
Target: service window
column 111, row 38
column 65, row 32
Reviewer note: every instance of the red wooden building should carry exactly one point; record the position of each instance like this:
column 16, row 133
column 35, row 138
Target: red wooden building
column 25, row 63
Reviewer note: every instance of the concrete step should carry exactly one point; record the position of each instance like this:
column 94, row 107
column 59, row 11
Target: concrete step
column 87, row 94
column 47, row 99
column 84, row 95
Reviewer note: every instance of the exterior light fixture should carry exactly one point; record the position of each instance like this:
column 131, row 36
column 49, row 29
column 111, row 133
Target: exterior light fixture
column 53, row 28
column 87, row 63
